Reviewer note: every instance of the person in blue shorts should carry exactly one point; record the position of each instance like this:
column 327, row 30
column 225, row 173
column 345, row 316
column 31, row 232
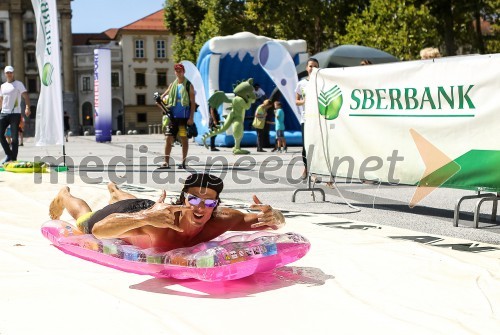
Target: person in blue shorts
column 279, row 121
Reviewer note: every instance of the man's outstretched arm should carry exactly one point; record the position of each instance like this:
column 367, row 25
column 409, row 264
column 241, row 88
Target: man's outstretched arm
column 120, row 225
column 266, row 218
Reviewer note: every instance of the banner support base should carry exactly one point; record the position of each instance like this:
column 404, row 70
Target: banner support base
column 309, row 189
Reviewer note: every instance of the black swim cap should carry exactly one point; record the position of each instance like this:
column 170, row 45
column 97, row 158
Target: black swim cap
column 204, row 180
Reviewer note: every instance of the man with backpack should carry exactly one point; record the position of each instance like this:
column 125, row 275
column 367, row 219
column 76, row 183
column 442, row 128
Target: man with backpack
column 180, row 100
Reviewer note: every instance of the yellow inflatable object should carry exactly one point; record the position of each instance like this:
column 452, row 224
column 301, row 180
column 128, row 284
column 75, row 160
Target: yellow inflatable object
column 25, row 167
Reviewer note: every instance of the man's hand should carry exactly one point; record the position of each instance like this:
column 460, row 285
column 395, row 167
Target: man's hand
column 162, row 197
column 162, row 215
column 190, row 121
column 268, row 216
column 27, row 111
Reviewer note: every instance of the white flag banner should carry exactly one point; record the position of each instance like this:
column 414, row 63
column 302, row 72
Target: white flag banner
column 49, row 114
column 433, row 123
column 194, row 76
column 278, row 64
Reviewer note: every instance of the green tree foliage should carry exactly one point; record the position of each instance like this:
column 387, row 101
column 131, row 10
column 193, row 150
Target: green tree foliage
column 195, row 22
column 400, row 27
column 491, row 13
column 183, row 18
column 458, row 22
column 397, row 27
column 223, row 17
column 312, row 20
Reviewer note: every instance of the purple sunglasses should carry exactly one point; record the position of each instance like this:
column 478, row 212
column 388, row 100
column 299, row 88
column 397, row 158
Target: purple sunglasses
column 196, row 201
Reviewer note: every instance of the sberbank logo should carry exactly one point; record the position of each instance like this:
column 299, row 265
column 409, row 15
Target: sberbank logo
column 453, row 97
column 330, row 102
column 47, row 72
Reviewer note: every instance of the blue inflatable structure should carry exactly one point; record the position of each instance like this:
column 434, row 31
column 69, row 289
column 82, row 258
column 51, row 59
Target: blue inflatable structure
column 224, row 61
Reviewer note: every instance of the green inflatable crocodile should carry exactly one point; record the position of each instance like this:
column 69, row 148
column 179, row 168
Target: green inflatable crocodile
column 244, row 97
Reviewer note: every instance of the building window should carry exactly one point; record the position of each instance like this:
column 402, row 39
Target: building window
column 32, row 82
column 31, row 60
column 140, row 79
column 141, row 99
column 139, row 49
column 3, row 59
column 115, row 79
column 161, row 78
column 2, row 31
column 142, row 117
column 86, row 87
column 161, row 50
column 30, row 31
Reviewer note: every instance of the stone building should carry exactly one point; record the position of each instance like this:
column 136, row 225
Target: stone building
column 17, row 48
column 147, row 68
column 83, row 51
column 141, row 65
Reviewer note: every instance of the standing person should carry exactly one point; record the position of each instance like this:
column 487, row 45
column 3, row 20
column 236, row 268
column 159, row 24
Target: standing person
column 300, row 92
column 259, row 123
column 10, row 98
column 260, row 95
column 8, row 135
column 180, row 98
column 66, row 125
column 267, row 128
column 213, row 123
column 21, row 131
column 279, row 121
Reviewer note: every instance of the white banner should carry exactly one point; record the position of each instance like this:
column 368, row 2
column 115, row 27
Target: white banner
column 193, row 75
column 49, row 112
column 102, row 95
column 433, row 123
column 278, row 64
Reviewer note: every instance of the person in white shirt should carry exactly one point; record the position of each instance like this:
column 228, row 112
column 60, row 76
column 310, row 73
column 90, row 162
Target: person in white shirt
column 260, row 95
column 300, row 101
column 10, row 99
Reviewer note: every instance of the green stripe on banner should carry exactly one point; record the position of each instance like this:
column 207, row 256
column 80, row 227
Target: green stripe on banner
column 478, row 169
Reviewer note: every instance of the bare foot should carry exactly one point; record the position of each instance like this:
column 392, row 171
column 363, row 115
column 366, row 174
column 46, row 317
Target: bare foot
column 56, row 207
column 116, row 194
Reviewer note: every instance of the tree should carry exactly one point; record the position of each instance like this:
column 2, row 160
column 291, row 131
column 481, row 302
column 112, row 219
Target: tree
column 183, row 18
column 491, row 14
column 397, row 27
column 223, row 17
column 312, row 20
column 459, row 24
column 193, row 22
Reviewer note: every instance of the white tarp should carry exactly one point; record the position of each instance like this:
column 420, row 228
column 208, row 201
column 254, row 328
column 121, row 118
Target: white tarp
column 352, row 281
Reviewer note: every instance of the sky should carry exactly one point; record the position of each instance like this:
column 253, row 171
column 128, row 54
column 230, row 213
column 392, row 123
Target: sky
column 96, row 16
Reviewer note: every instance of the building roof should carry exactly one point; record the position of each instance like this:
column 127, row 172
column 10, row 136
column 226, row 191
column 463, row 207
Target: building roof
column 153, row 21
column 87, row 38
column 111, row 33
